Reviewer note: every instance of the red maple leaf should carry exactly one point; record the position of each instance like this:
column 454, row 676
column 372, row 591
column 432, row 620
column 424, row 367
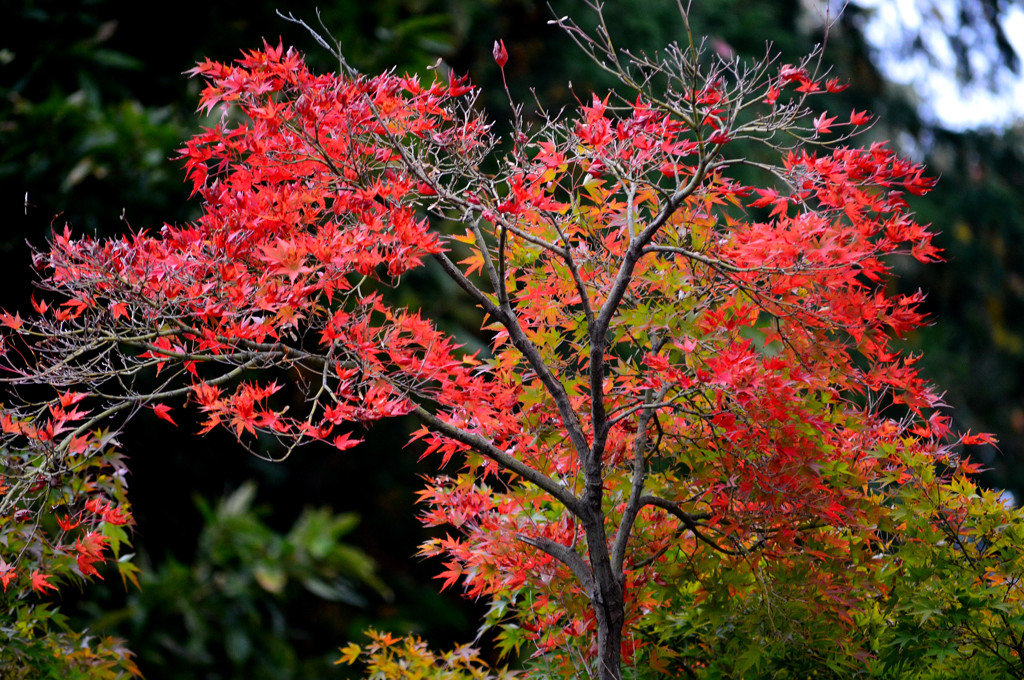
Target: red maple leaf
column 822, row 124
column 859, row 117
column 41, row 581
column 162, row 412
column 66, row 523
column 500, row 54
column 836, row 85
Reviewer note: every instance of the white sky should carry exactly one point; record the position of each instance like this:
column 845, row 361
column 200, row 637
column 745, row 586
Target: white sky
column 943, row 99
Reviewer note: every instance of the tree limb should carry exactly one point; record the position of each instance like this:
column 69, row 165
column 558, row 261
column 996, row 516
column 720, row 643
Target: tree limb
column 690, row 521
column 503, row 459
column 566, row 556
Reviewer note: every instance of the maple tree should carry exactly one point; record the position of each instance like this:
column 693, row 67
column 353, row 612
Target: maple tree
column 692, row 445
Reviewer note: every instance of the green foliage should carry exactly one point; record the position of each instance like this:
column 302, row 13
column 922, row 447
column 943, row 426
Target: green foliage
column 38, row 644
column 955, row 594
column 236, row 609
column 950, row 605
column 74, row 136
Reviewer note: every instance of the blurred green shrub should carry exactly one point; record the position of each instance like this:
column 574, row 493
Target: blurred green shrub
column 245, row 605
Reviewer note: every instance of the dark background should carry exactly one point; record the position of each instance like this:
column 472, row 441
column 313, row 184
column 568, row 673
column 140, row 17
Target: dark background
column 93, row 104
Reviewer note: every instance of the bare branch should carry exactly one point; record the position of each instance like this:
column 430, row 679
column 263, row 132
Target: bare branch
column 635, row 501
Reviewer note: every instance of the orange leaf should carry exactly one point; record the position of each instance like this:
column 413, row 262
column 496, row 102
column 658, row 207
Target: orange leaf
column 11, row 321
column 7, row 573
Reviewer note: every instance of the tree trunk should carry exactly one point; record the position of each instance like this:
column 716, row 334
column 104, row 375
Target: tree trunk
column 610, row 616
column 607, row 599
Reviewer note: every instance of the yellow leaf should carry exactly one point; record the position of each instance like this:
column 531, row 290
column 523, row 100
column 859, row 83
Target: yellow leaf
column 349, row 654
column 468, row 237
